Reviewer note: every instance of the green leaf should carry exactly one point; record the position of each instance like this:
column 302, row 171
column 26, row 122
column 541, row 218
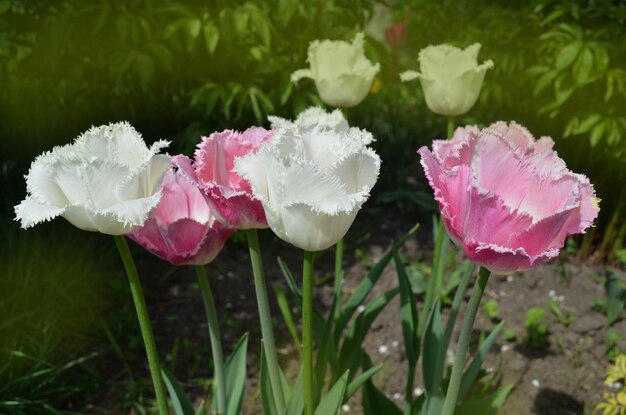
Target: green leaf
column 615, row 299
column 597, row 133
column 408, row 311
column 366, row 285
column 267, row 398
column 331, row 402
column 283, row 305
column 361, row 379
column 581, row 70
column 179, row 400
column 374, row 401
column 586, row 124
column 468, row 271
column 470, row 374
column 211, row 36
column 544, row 80
column 295, row 404
column 488, row 405
column 434, row 356
column 235, row 376
column 568, row 54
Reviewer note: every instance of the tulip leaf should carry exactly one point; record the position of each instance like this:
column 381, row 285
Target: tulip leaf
column 361, row 325
column 179, row 400
column 364, row 288
column 283, row 305
column 433, row 404
column 295, row 404
column 434, row 358
column 468, row 271
column 488, row 405
column 361, row 379
column 470, row 374
column 267, row 398
column 235, row 376
column 331, row 402
column 408, row 312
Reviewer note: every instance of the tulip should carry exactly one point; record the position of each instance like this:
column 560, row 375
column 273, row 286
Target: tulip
column 312, row 177
column 181, row 229
column 227, row 193
column 509, row 201
column 108, row 180
column 341, row 72
column 451, row 78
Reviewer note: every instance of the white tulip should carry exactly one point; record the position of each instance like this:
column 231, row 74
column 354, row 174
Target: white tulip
column 108, row 180
column 312, row 177
column 451, row 78
column 341, row 72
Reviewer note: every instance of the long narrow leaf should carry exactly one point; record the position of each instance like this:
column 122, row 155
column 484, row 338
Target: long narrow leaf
column 408, row 311
column 488, row 405
column 235, row 376
column 330, row 403
column 364, row 288
column 361, row 379
column 178, row 398
column 468, row 271
column 434, row 358
column 472, row 370
column 283, row 305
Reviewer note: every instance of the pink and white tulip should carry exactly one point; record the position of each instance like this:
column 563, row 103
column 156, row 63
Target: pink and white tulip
column 507, row 199
column 227, row 192
column 181, row 229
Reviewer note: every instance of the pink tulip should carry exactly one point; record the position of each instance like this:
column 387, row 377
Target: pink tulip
column 181, row 229
column 229, row 194
column 507, row 199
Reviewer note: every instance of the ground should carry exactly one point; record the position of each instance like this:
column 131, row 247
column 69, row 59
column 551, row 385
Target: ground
column 562, row 378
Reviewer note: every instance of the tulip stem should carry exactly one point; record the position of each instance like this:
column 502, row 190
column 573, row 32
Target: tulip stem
column 267, row 333
column 339, row 248
column 215, row 338
column 307, row 331
column 144, row 323
column 464, row 341
column 450, row 127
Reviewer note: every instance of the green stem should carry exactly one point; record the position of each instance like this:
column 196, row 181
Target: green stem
column 434, row 276
column 408, row 391
column 144, row 324
column 267, row 332
column 307, row 331
column 450, row 127
column 214, row 335
column 464, row 341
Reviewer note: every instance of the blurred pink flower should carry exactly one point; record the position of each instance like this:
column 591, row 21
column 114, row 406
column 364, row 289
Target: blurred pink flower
column 396, row 35
column 181, row 229
column 228, row 193
column 507, row 199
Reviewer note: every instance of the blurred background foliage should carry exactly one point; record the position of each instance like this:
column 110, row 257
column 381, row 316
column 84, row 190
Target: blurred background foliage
column 181, row 69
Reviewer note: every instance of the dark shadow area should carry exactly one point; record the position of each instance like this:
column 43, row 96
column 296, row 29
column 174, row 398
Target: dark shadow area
column 552, row 402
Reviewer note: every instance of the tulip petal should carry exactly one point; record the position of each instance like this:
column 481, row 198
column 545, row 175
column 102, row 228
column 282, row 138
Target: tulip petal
column 301, row 73
column 31, row 212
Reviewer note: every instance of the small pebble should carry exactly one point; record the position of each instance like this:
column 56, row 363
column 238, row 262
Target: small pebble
column 509, row 278
column 397, row 396
column 489, row 370
column 360, row 308
column 229, row 305
column 395, row 344
column 220, row 277
column 345, row 407
column 501, row 293
column 504, row 348
column 551, row 293
column 450, row 356
column 230, row 274
column 616, row 385
column 561, row 298
column 383, row 349
column 417, row 392
column 242, row 296
column 535, row 383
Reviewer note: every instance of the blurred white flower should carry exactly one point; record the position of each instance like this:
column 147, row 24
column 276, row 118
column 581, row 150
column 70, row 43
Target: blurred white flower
column 451, row 78
column 312, row 177
column 342, row 73
column 108, row 180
